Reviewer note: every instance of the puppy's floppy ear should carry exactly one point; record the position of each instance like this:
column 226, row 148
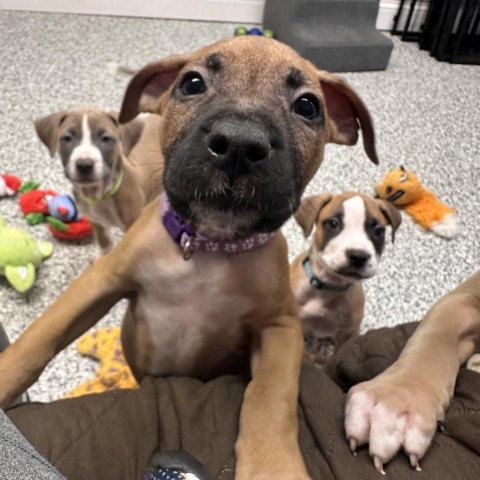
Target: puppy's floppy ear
column 47, row 130
column 308, row 211
column 391, row 213
column 149, row 84
column 347, row 113
column 130, row 132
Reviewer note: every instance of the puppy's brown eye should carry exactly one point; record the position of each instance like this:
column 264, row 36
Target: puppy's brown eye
column 379, row 232
column 306, row 106
column 66, row 138
column 106, row 139
column 192, row 84
column 332, row 224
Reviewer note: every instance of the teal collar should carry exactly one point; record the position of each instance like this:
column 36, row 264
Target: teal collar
column 319, row 284
column 109, row 193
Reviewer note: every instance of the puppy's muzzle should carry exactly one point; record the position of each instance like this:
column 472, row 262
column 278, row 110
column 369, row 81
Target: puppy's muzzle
column 234, row 163
column 237, row 147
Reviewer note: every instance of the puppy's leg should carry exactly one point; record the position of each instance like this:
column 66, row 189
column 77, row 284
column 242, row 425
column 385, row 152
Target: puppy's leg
column 129, row 206
column 401, row 407
column 88, row 299
column 267, row 446
column 346, row 333
column 103, row 238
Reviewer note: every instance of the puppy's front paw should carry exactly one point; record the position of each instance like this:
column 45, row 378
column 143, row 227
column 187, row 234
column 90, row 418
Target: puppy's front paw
column 392, row 412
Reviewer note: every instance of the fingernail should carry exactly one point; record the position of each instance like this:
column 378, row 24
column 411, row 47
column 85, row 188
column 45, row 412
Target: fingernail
column 379, row 465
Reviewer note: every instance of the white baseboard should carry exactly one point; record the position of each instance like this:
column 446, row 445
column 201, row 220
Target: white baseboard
column 388, row 10
column 236, row 11
column 386, row 14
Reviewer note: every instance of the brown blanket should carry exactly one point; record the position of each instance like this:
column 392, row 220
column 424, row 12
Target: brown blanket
column 113, row 435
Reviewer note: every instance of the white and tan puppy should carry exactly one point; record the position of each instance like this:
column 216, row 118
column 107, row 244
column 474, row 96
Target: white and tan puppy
column 93, row 147
column 244, row 123
column 347, row 244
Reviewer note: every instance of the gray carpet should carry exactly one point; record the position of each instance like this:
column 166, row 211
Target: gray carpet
column 426, row 115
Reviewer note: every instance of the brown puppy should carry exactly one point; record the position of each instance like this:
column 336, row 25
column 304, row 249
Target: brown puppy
column 93, row 148
column 243, row 127
column 347, row 244
column 400, row 408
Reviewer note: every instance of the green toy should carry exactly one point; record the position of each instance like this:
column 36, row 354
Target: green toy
column 20, row 254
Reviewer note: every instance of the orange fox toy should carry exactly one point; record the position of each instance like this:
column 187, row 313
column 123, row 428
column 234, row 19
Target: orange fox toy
column 404, row 190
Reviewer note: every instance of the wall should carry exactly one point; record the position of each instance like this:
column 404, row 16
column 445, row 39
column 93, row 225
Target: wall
column 237, row 11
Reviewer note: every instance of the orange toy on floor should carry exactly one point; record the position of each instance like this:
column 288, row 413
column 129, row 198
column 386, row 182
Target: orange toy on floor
column 104, row 345
column 405, row 191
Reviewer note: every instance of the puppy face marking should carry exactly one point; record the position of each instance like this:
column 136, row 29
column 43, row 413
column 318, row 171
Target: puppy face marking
column 86, row 159
column 348, row 248
column 89, row 145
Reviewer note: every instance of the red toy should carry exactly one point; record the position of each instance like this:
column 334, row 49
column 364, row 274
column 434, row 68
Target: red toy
column 64, row 221
column 9, row 185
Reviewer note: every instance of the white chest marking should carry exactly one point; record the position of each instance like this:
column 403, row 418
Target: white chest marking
column 187, row 309
column 323, row 313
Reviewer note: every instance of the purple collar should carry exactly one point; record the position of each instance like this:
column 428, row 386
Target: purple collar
column 190, row 240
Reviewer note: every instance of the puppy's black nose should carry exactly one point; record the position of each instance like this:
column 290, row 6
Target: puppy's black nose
column 237, row 146
column 84, row 166
column 358, row 258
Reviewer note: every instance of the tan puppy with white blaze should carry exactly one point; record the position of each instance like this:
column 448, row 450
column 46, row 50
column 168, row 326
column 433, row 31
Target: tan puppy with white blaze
column 243, row 127
column 347, row 244
column 93, row 148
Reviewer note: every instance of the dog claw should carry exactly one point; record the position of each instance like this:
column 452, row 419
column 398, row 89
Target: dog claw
column 353, row 446
column 414, row 463
column 379, row 465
